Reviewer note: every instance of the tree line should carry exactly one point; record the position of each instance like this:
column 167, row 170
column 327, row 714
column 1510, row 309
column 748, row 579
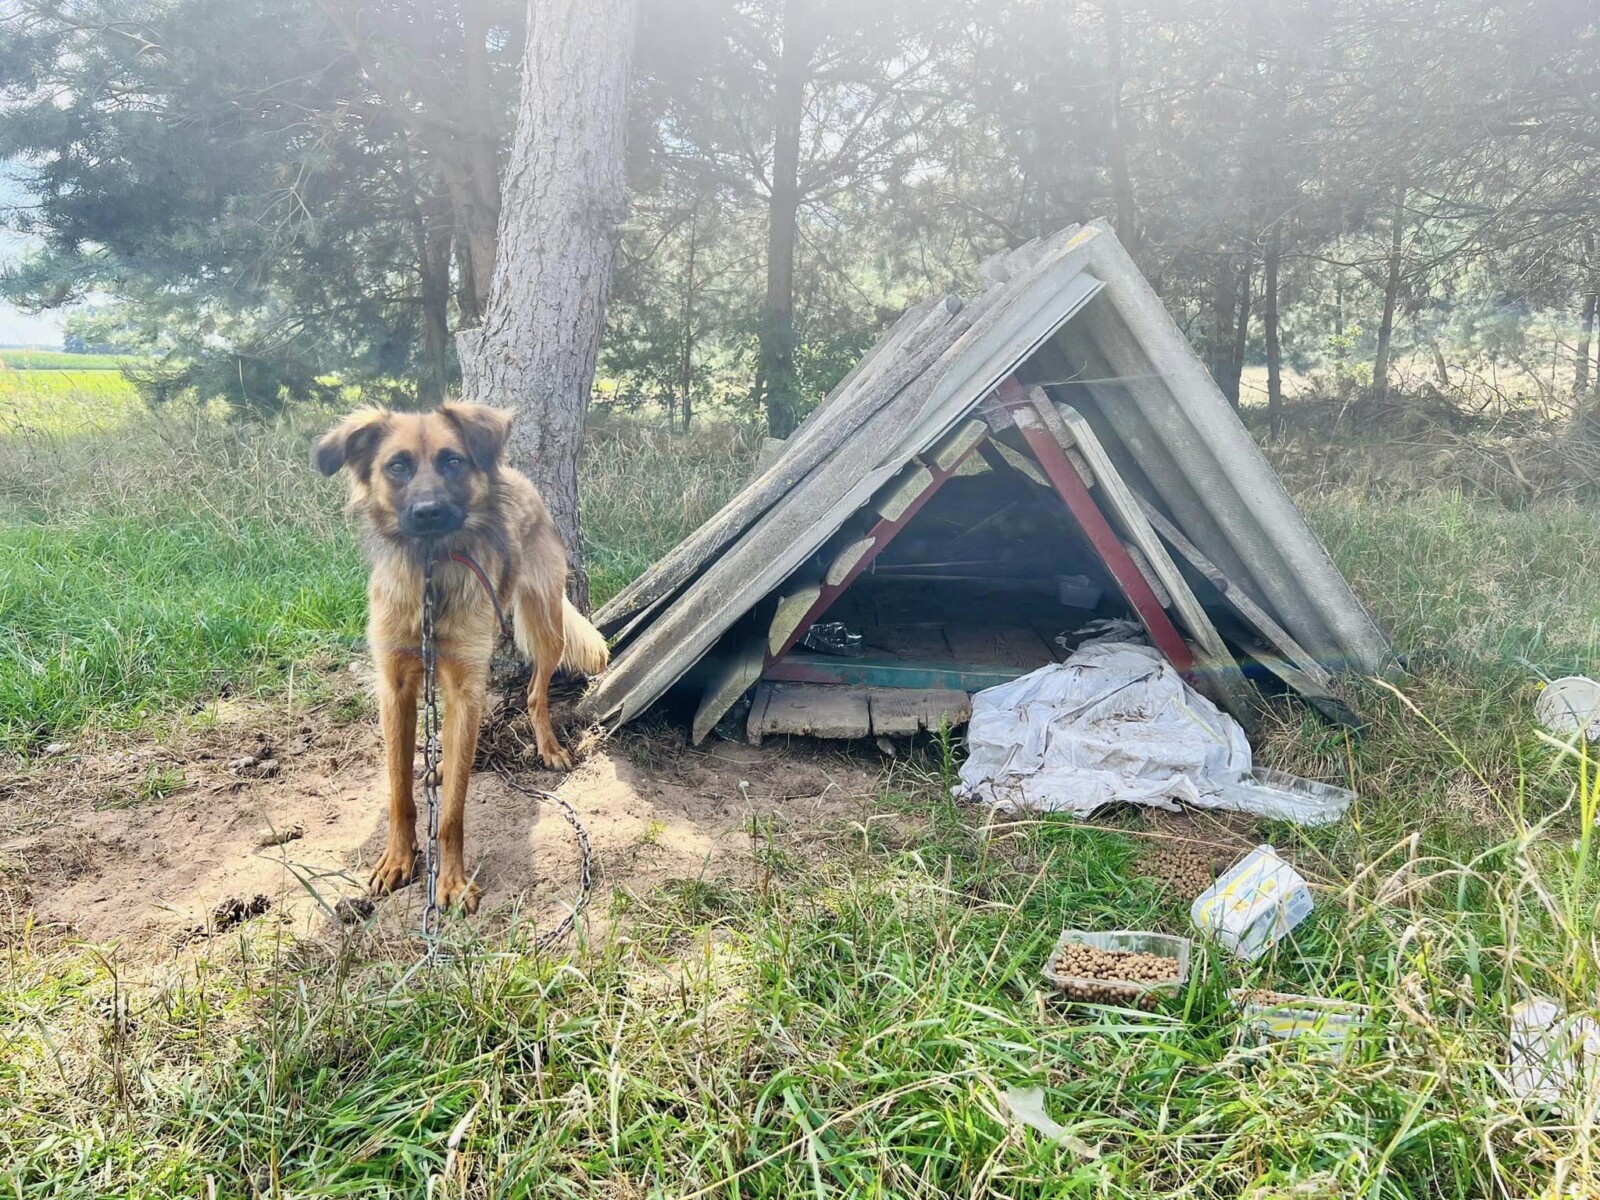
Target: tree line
column 279, row 194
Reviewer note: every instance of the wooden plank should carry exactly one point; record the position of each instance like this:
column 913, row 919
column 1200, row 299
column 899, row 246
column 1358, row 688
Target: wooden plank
column 956, row 445
column 1238, row 597
column 731, row 678
column 793, row 607
column 810, row 710
column 886, row 672
column 1147, row 569
column 1069, row 428
column 1314, row 694
column 1049, row 455
column 1003, row 459
column 898, row 498
column 845, row 561
column 902, row 711
column 1006, row 647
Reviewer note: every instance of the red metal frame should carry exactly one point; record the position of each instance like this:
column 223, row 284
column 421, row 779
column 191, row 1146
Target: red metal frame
column 1069, row 486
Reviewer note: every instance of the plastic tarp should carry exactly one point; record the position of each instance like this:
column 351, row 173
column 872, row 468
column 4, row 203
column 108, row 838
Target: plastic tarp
column 1116, row 723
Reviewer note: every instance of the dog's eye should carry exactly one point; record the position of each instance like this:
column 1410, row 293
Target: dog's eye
column 398, row 469
column 451, row 464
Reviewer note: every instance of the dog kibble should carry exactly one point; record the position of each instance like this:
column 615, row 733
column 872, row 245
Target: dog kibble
column 1113, row 976
column 1185, row 870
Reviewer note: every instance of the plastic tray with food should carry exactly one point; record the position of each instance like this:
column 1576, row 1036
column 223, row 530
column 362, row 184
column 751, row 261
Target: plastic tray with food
column 1130, row 967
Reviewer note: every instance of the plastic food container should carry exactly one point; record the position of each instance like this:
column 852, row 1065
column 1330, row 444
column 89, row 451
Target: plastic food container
column 1131, row 991
column 1568, row 704
column 1283, row 1016
column 1078, row 591
column 1250, row 909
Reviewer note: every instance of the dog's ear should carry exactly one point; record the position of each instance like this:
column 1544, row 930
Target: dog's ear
column 483, row 429
column 351, row 443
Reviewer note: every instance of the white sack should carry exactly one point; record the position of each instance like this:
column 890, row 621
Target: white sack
column 1115, row 722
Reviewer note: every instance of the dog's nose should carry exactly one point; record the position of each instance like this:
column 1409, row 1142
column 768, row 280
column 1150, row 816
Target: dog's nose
column 428, row 514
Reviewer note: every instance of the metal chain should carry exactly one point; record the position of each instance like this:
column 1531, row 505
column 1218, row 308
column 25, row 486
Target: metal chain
column 585, row 859
column 430, row 762
column 431, row 776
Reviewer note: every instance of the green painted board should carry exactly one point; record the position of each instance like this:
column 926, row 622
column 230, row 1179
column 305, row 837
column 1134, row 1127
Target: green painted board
column 889, row 672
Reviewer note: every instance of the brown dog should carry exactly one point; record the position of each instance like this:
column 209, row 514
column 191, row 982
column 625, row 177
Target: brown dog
column 432, row 485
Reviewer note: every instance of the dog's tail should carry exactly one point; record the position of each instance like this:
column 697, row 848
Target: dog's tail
column 586, row 650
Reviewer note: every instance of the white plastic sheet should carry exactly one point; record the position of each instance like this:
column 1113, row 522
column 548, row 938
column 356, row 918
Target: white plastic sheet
column 1116, row 723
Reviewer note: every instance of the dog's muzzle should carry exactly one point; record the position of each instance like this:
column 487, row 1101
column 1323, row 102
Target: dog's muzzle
column 431, row 518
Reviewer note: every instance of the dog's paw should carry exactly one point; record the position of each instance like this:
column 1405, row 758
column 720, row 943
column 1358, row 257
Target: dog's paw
column 555, row 757
column 394, row 870
column 456, row 889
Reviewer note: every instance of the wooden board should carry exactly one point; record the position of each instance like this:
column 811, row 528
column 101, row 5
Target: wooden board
column 731, row 678
column 809, row 710
column 1236, row 596
column 793, row 607
column 1005, row 647
column 897, row 712
column 846, row 560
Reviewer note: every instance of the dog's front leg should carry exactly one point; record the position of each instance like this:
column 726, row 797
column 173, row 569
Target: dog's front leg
column 464, row 685
column 399, row 679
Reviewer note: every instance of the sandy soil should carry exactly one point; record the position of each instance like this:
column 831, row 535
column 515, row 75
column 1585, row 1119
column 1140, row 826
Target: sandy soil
column 155, row 844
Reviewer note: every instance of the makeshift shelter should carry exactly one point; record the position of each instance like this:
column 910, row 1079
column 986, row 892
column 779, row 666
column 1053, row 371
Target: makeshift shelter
column 990, row 464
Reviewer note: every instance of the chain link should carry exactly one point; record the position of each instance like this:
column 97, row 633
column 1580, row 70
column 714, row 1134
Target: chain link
column 431, row 777
column 430, row 762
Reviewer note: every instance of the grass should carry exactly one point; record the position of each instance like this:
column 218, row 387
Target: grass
column 843, row 1029
column 58, row 360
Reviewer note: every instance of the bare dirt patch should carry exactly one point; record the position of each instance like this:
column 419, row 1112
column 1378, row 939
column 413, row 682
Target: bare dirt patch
column 146, row 842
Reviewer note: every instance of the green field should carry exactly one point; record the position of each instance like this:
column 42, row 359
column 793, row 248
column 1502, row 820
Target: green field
column 844, row 1028
column 57, row 360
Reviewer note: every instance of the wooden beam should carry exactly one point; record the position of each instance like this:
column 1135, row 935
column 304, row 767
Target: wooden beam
column 731, row 678
column 902, row 711
column 809, row 710
column 1241, row 600
column 1047, row 452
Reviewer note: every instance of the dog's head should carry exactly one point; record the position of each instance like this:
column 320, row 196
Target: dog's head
column 417, row 475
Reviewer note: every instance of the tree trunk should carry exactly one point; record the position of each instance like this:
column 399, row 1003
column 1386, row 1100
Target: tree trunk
column 434, row 271
column 1391, row 293
column 565, row 195
column 1241, row 331
column 780, row 385
column 1127, row 219
column 476, row 184
column 686, row 363
column 1224, row 306
column 1591, row 300
column 1269, row 320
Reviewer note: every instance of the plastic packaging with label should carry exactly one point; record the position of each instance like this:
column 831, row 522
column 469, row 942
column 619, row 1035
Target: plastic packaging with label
column 1250, row 909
